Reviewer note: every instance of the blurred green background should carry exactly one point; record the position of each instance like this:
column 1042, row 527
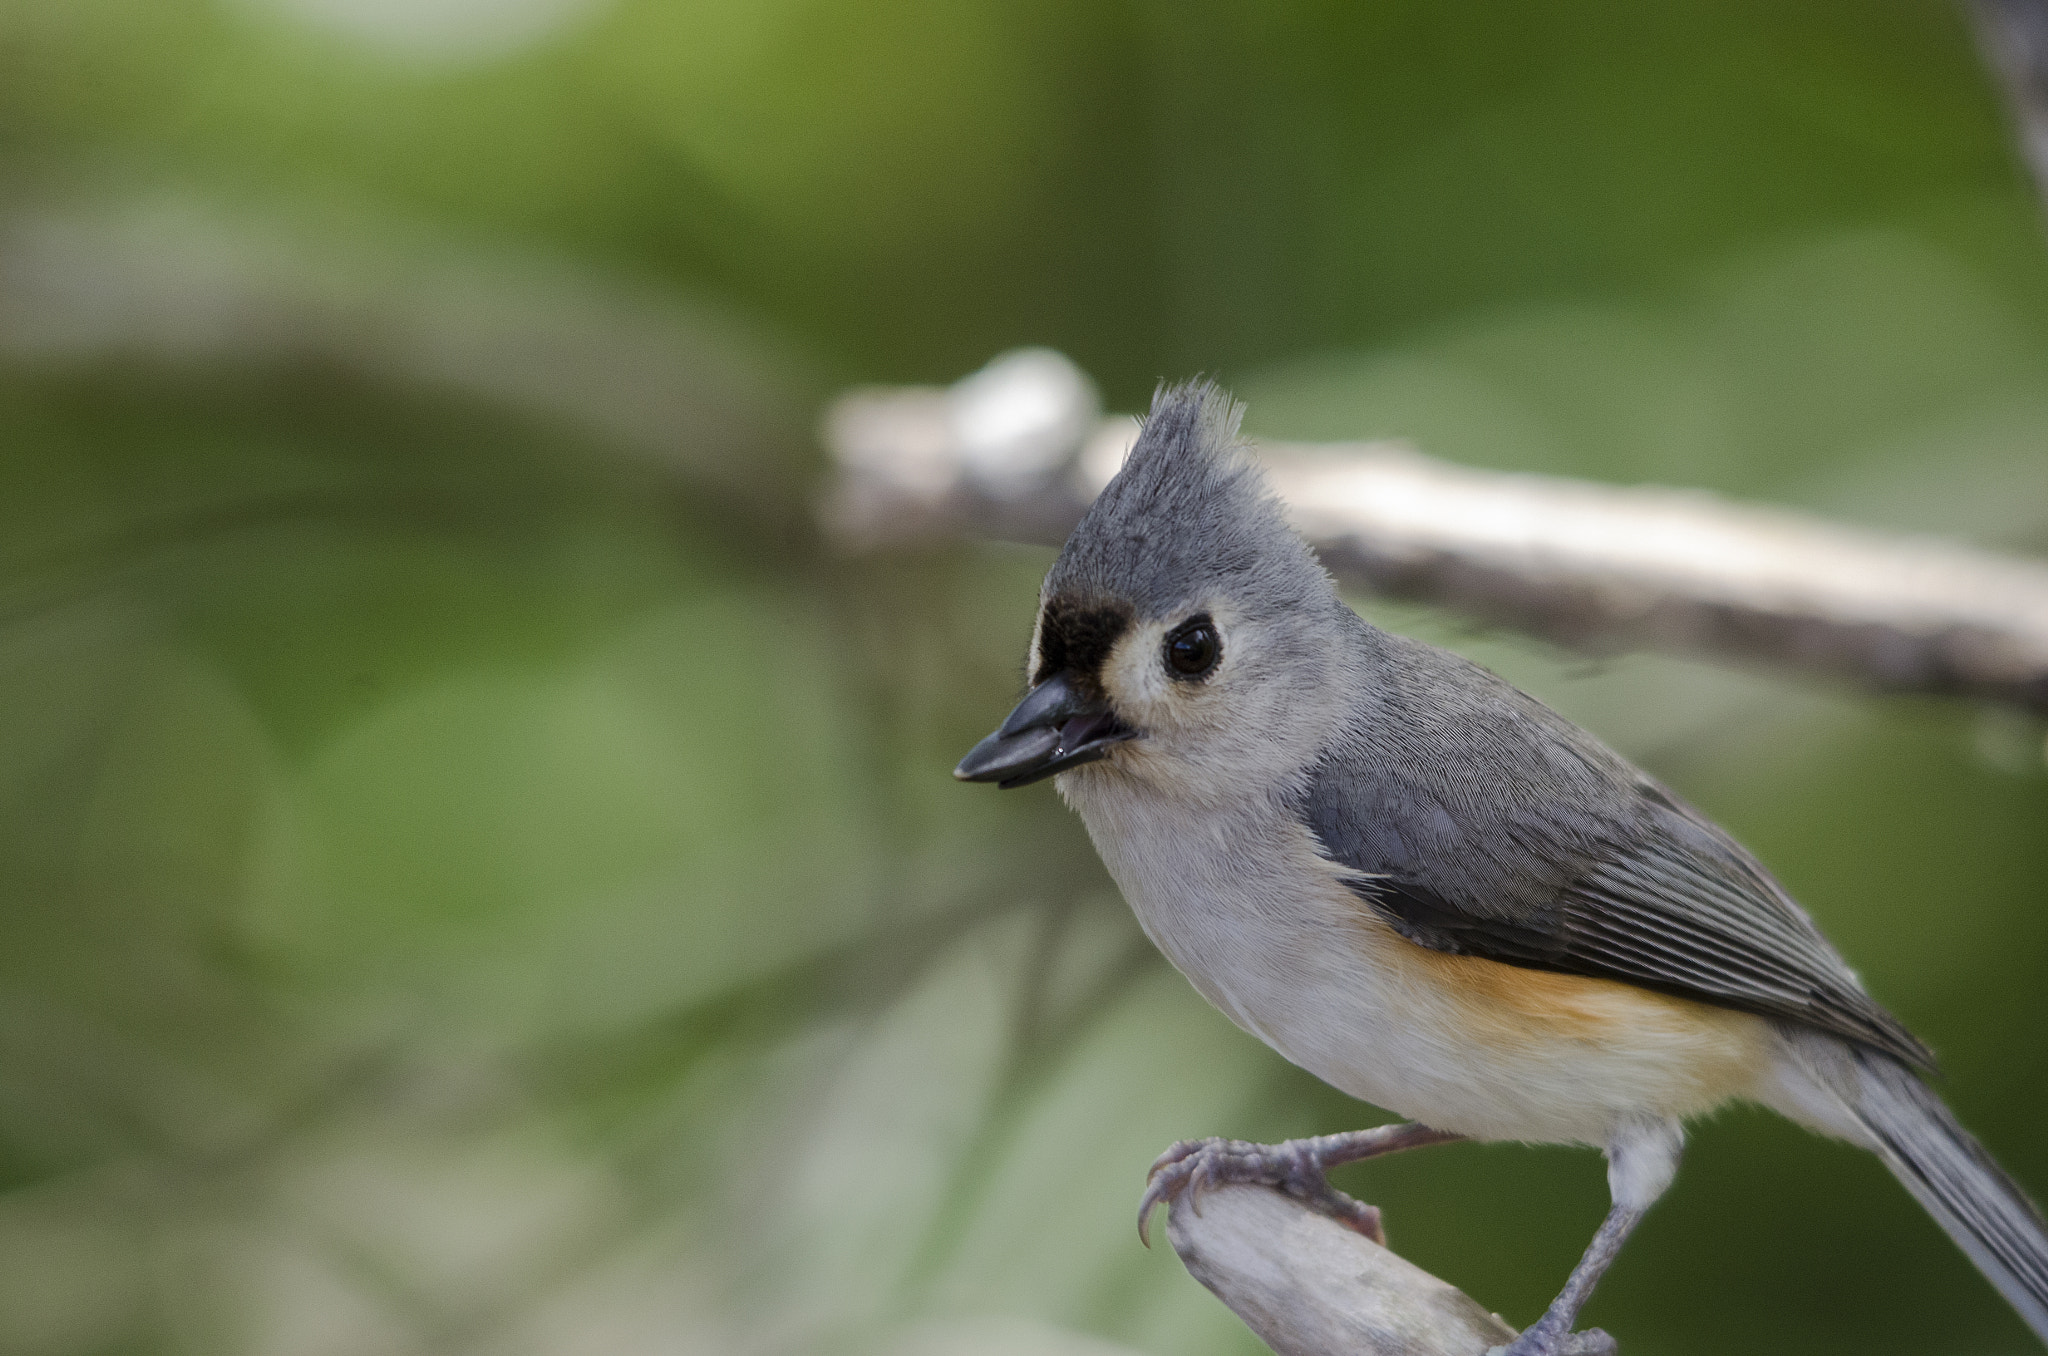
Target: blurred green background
column 480, row 872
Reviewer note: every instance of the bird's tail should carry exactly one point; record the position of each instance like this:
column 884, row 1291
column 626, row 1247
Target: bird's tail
column 1984, row 1211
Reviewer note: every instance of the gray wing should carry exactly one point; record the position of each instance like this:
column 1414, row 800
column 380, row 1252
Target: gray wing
column 1482, row 823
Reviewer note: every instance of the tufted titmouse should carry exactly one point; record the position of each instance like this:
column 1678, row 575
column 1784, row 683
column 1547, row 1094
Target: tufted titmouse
column 1432, row 891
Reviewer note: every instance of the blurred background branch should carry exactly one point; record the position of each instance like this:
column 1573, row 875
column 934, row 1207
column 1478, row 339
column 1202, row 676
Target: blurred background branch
column 170, row 281
column 1018, row 450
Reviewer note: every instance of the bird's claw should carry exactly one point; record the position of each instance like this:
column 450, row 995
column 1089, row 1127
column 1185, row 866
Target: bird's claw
column 1590, row 1342
column 1192, row 1166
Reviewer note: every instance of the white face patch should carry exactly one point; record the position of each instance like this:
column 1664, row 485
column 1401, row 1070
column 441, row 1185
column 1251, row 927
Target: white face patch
column 1146, row 695
column 1252, row 723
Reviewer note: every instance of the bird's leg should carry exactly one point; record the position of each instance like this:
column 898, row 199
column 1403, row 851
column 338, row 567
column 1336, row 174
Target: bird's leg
column 1295, row 1167
column 1642, row 1158
column 1552, row 1335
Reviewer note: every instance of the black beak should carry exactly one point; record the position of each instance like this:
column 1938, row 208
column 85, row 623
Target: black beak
column 1052, row 729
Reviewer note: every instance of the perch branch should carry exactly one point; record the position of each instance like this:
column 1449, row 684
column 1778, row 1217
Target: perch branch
column 1017, row 451
column 1308, row 1286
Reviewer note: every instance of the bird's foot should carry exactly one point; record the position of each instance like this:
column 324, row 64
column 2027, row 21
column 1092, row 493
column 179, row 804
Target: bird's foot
column 1295, row 1167
column 1542, row 1339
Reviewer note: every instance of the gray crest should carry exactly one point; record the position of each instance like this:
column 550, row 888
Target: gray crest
column 1187, row 516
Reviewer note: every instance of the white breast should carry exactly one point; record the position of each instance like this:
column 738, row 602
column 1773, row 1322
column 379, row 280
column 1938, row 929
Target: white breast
column 1243, row 904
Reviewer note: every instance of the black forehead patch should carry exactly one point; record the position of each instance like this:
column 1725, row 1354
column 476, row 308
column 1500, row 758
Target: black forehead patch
column 1076, row 635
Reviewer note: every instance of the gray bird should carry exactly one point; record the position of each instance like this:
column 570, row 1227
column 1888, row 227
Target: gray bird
column 1430, row 890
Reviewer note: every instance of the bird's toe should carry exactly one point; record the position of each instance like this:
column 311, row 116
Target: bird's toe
column 1538, row 1341
column 1193, row 1166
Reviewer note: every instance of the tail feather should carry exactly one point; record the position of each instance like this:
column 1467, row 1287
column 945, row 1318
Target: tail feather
column 1983, row 1210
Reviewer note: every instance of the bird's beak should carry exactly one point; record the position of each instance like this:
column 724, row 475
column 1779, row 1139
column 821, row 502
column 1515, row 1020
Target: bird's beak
column 1054, row 728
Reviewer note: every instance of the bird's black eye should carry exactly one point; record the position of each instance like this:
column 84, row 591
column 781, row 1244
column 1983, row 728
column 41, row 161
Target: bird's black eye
column 1193, row 648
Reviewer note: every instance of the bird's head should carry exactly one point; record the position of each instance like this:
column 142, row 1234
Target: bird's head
column 1186, row 635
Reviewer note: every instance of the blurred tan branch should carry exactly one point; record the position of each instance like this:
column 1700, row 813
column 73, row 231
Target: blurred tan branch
column 1308, row 1286
column 1018, row 450
column 178, row 282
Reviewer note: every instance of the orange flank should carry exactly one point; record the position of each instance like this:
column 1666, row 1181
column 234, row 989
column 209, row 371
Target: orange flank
column 1510, row 1007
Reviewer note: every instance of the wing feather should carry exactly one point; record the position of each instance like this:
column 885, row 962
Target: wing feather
column 1479, row 822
